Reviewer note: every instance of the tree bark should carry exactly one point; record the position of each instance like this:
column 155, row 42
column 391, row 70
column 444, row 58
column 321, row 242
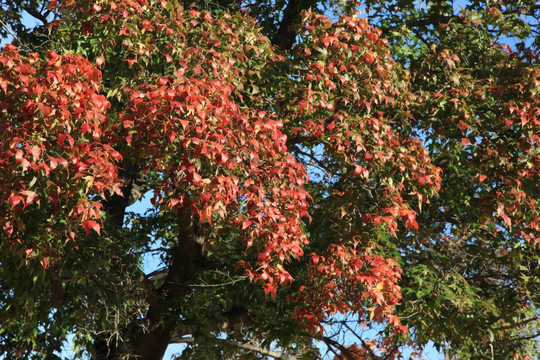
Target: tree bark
column 160, row 320
column 286, row 33
column 115, row 206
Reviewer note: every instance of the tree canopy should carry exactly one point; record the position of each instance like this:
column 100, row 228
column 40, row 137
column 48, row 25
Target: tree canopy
column 328, row 179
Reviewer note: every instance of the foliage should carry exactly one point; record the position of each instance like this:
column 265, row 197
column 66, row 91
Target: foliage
column 328, row 178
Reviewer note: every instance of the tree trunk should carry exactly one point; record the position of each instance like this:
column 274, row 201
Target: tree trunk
column 162, row 321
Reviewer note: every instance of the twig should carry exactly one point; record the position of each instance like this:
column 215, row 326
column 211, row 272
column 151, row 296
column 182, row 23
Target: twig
column 9, row 30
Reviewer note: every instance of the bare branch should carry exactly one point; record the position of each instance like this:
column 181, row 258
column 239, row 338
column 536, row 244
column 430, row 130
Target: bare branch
column 364, row 344
column 344, row 351
column 9, row 30
column 236, row 344
column 521, row 338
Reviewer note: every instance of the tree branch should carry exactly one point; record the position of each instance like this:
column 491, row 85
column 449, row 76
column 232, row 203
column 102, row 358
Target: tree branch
column 522, row 338
column 41, row 17
column 344, row 351
column 9, row 30
column 236, row 344
column 364, row 344
column 151, row 293
column 250, row 347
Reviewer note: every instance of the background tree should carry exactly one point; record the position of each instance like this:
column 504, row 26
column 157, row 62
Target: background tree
column 293, row 184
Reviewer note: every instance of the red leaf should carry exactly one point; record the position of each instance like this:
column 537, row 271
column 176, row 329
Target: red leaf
column 361, row 170
column 19, row 155
column 196, row 178
column 174, row 202
column 412, row 224
column 507, row 220
column 131, row 62
column 100, row 60
column 223, row 159
column 270, row 289
column 34, row 151
column 90, row 224
column 184, row 124
column 15, row 200
column 45, row 262
column 265, row 276
column 302, row 105
column 30, row 197
column 403, row 329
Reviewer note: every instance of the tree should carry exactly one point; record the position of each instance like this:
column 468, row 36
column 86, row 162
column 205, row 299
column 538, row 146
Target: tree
column 479, row 241
column 326, row 177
